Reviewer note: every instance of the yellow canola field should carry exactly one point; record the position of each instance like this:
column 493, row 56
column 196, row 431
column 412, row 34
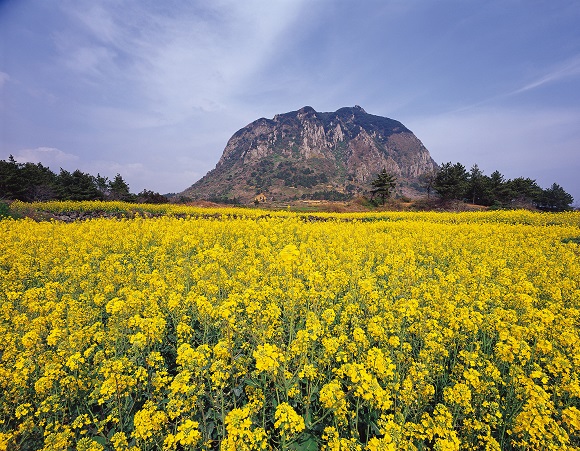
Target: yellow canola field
column 357, row 332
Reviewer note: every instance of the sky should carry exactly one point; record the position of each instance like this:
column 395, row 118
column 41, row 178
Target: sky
column 154, row 89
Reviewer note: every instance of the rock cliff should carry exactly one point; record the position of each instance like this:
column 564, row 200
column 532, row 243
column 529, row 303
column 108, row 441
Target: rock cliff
column 306, row 154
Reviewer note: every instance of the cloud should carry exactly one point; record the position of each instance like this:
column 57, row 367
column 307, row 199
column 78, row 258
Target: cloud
column 4, row 77
column 566, row 69
column 174, row 61
column 105, row 167
column 90, row 59
column 48, row 156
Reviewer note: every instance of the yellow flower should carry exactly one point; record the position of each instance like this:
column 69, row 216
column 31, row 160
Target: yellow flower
column 459, row 394
column 289, row 254
column 88, row 444
column 333, row 397
column 151, row 324
column 381, row 444
column 287, row 420
column 188, row 433
column 119, row 441
column 268, row 358
column 148, row 421
column 240, row 434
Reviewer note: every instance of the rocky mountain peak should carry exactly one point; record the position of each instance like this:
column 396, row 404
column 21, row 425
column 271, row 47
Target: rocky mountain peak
column 308, row 154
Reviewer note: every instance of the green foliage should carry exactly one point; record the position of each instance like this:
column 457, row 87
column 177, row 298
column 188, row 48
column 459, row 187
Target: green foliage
column 575, row 240
column 383, row 185
column 150, row 197
column 427, row 181
column 77, row 186
column 555, row 199
column 26, row 181
column 33, row 182
column 475, row 184
column 224, row 199
column 4, row 210
column 451, row 182
column 306, row 178
column 119, row 190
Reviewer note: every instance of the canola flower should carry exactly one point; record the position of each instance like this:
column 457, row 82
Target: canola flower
column 239, row 329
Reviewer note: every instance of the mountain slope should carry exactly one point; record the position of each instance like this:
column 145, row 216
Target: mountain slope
column 308, row 154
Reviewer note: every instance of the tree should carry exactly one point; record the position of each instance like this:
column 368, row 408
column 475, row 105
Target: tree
column 476, row 184
column 451, row 181
column 34, row 182
column 498, row 189
column 383, row 185
column 524, row 191
column 555, row 199
column 119, row 190
column 427, row 181
column 102, row 184
column 11, row 184
column 150, row 197
column 39, row 180
column 77, row 186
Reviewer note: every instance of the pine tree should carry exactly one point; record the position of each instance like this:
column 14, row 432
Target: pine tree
column 119, row 190
column 383, row 185
column 451, row 182
column 476, row 184
column 427, row 181
column 555, row 199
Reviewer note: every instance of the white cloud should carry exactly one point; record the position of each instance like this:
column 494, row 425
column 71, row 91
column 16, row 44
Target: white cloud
column 48, row 156
column 4, row 77
column 173, row 60
column 90, row 60
column 566, row 69
column 129, row 170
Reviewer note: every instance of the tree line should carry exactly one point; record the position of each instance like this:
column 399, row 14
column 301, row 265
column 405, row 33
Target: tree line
column 31, row 182
column 452, row 181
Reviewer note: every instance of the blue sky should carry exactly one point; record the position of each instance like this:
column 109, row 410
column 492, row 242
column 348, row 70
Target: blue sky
column 154, row 89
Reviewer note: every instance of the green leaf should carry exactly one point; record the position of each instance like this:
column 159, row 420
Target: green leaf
column 571, row 240
column 306, row 442
column 100, row 440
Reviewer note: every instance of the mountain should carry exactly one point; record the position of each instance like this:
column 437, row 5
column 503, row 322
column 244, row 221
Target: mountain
column 306, row 154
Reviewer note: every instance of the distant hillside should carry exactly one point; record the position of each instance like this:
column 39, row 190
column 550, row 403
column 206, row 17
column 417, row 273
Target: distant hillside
column 305, row 154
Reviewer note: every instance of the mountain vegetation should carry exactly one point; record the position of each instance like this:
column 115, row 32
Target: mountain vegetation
column 30, row 182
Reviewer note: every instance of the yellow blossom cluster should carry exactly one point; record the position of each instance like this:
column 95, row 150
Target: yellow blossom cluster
column 241, row 329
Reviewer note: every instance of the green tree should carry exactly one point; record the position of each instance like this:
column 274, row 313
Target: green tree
column 476, row 184
column 555, row 199
column 26, row 181
column 383, row 185
column 427, row 181
column 77, row 186
column 451, row 181
column 524, row 191
column 150, row 197
column 39, row 180
column 11, row 183
column 498, row 190
column 102, row 184
column 119, row 190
